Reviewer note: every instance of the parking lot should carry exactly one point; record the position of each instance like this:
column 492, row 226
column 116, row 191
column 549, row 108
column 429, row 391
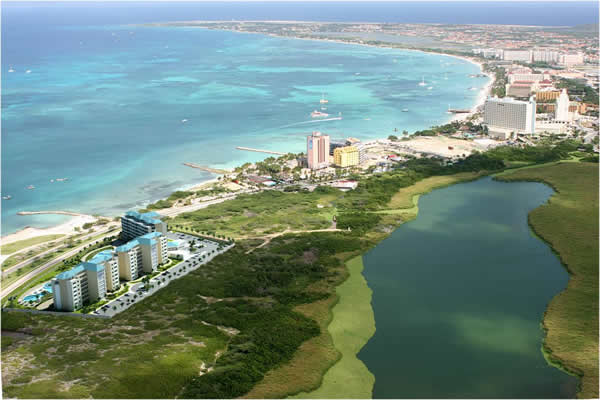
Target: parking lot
column 204, row 251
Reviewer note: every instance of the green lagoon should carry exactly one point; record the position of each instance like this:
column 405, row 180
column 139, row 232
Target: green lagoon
column 458, row 296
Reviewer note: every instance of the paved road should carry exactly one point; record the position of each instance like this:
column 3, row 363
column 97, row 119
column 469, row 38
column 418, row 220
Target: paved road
column 38, row 256
column 32, row 274
column 3, row 257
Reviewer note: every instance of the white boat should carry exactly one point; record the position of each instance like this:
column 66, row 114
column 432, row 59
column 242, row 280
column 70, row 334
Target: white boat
column 323, row 108
column 405, row 110
column 318, row 114
column 183, row 121
column 323, row 99
column 429, row 87
column 11, row 70
column 30, row 187
column 8, row 197
column 28, row 71
column 422, row 83
column 472, row 88
column 445, row 76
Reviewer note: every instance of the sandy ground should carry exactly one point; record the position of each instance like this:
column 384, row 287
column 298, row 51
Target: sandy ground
column 439, row 145
column 66, row 228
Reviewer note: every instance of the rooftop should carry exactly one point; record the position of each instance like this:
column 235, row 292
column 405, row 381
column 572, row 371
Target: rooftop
column 149, row 217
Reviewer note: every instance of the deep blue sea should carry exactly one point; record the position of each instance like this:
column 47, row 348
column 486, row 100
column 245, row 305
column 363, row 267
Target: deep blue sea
column 103, row 101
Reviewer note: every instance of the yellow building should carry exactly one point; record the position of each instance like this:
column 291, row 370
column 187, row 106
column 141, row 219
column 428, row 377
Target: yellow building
column 346, row 156
column 547, row 95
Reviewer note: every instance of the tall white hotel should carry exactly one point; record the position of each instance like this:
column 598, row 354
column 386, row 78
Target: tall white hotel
column 510, row 114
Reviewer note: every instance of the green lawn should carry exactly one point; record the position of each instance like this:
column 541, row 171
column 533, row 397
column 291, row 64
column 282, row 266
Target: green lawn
column 569, row 223
column 352, row 326
column 21, row 244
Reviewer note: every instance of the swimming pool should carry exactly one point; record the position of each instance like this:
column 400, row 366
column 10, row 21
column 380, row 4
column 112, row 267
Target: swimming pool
column 32, row 297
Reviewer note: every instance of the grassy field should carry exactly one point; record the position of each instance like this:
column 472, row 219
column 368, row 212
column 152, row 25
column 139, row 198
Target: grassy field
column 352, row 326
column 21, row 244
column 263, row 213
column 569, row 223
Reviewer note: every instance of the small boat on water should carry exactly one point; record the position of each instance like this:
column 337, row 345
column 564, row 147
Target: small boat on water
column 405, row 110
column 61, row 179
column 11, row 70
column 422, row 83
column 429, row 87
column 30, row 187
column 472, row 88
column 7, row 197
column 323, row 108
column 28, row 71
column 318, row 114
column 183, row 121
column 323, row 99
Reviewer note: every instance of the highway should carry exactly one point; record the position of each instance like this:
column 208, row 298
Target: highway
column 42, row 268
column 50, row 250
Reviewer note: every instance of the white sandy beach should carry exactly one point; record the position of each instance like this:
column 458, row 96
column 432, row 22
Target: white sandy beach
column 66, row 228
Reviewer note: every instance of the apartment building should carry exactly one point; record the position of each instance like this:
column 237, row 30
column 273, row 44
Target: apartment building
column 346, row 156
column 134, row 224
column 85, row 283
column 110, row 261
column 508, row 113
column 141, row 255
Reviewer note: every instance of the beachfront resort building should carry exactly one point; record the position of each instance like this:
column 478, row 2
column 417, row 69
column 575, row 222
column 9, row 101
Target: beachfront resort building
column 134, row 224
column 509, row 115
column 317, row 150
column 142, row 255
column 346, row 156
column 85, row 283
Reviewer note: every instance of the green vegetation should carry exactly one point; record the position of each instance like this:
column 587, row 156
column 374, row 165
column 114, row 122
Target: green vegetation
column 177, row 336
column 542, row 153
column 21, row 244
column 91, row 254
column 262, row 213
column 578, row 88
column 166, row 203
column 352, row 326
column 569, row 223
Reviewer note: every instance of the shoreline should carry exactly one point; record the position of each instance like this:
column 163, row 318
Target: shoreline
column 484, row 92
column 29, row 232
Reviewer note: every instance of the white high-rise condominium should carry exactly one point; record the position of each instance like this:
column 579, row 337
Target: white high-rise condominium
column 562, row 107
column 508, row 113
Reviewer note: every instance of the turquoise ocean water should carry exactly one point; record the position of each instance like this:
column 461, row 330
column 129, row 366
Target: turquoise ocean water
column 104, row 105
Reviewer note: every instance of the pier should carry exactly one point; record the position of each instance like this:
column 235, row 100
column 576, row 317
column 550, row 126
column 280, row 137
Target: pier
column 74, row 214
column 261, row 151
column 207, row 169
column 458, row 111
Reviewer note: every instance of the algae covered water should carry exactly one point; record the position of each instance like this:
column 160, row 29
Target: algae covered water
column 458, row 296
